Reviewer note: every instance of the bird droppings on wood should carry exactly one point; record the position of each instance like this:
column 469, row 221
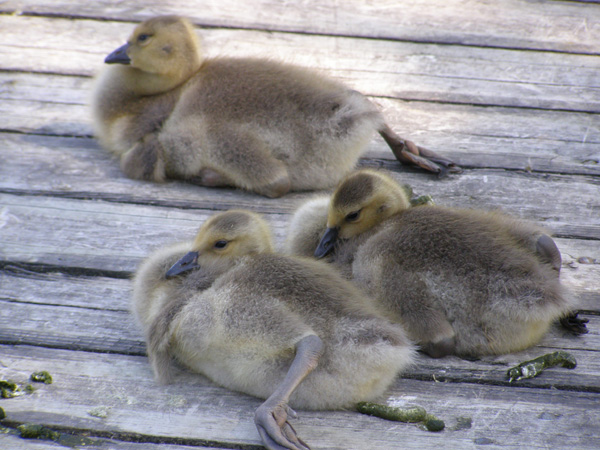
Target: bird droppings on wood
column 432, row 423
column 463, row 423
column 532, row 368
column 409, row 415
column 415, row 414
column 101, row 412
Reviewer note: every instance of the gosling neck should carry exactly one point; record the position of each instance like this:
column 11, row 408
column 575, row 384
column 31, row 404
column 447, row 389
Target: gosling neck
column 140, row 83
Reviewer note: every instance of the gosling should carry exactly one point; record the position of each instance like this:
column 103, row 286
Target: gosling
column 462, row 282
column 286, row 329
column 169, row 112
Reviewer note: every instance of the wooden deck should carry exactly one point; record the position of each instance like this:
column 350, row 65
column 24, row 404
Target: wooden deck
column 509, row 89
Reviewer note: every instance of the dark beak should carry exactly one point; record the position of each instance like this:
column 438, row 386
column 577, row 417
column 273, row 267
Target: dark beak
column 119, row 56
column 188, row 262
column 327, row 242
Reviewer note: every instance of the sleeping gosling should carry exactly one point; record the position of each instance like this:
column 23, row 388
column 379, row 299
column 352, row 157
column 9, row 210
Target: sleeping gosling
column 286, row 329
column 463, row 282
column 267, row 127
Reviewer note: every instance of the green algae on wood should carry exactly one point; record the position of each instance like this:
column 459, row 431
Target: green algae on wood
column 534, row 367
column 41, row 377
column 2, row 414
column 35, row 431
column 9, row 389
column 422, row 200
column 417, row 201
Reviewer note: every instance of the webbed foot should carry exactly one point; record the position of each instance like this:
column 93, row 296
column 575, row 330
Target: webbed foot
column 144, row 161
column 574, row 324
column 425, row 158
column 407, row 152
column 275, row 430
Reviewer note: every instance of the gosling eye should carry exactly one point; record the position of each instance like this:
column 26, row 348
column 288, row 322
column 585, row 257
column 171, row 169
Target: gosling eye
column 221, row 244
column 143, row 37
column 353, row 216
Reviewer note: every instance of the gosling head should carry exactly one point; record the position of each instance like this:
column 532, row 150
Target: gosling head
column 362, row 201
column 164, row 46
column 223, row 239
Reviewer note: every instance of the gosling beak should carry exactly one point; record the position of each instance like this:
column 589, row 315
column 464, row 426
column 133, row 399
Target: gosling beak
column 327, row 242
column 188, row 262
column 119, row 56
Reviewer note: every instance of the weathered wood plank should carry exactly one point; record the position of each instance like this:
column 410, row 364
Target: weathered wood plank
column 33, row 312
column 50, row 245
column 561, row 26
column 114, row 332
column 72, row 328
column 522, row 139
column 69, row 90
column 55, row 288
column 493, row 370
column 195, row 409
column 571, row 211
column 51, row 287
column 84, row 236
column 93, row 235
column 407, row 71
column 48, row 285
column 12, row 442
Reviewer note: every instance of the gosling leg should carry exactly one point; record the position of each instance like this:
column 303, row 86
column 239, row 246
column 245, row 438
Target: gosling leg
column 243, row 157
column 407, row 152
column 144, row 161
column 271, row 418
column 210, row 178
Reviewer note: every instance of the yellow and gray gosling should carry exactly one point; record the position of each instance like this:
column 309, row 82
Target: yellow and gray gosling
column 462, row 282
column 286, row 329
column 169, row 112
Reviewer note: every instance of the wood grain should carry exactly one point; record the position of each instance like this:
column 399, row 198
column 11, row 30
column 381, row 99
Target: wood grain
column 508, row 89
column 381, row 68
column 78, row 167
column 10, row 440
column 107, row 331
column 511, row 138
column 31, row 225
column 545, row 25
column 195, row 409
